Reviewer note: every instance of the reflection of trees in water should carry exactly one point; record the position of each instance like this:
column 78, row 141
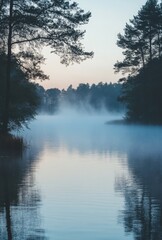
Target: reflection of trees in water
column 143, row 196
column 19, row 198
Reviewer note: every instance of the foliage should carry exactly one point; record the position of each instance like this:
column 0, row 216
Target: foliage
column 52, row 97
column 24, row 97
column 142, row 38
column 37, row 23
column 142, row 94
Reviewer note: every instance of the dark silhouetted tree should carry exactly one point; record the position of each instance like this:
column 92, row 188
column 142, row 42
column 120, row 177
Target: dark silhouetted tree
column 142, row 38
column 142, row 94
column 141, row 42
column 28, row 25
column 52, row 98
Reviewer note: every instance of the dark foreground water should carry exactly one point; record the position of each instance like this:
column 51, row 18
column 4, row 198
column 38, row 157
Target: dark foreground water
column 80, row 179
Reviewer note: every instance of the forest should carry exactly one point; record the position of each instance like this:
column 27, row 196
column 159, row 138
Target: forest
column 101, row 97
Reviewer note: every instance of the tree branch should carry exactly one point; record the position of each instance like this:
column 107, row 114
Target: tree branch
column 31, row 40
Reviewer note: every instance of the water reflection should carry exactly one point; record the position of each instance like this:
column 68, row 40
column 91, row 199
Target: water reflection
column 143, row 193
column 139, row 154
column 78, row 178
column 19, row 197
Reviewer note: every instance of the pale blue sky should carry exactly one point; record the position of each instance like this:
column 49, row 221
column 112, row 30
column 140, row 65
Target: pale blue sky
column 108, row 19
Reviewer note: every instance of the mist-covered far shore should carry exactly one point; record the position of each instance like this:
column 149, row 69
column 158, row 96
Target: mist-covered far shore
column 96, row 98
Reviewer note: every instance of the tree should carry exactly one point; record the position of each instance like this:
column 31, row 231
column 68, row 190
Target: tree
column 52, row 99
column 28, row 25
column 142, row 41
column 142, row 38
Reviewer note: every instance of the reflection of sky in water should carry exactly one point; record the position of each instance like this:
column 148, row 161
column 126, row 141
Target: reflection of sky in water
column 80, row 201
column 83, row 179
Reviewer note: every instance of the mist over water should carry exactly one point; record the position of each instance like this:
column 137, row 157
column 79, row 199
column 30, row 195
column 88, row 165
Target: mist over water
column 74, row 127
column 86, row 179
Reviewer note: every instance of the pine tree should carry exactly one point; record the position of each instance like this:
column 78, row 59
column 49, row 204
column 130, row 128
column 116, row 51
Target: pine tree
column 142, row 38
column 142, row 44
column 27, row 25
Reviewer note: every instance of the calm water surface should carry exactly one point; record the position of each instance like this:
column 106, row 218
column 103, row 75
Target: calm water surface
column 82, row 179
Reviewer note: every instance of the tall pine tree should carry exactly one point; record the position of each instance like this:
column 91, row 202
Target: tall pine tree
column 27, row 25
column 142, row 44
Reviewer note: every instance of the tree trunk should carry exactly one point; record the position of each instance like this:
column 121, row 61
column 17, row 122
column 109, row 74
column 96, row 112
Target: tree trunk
column 8, row 72
column 159, row 45
column 142, row 56
column 150, row 43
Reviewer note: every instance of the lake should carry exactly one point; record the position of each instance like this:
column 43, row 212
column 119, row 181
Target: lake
column 82, row 179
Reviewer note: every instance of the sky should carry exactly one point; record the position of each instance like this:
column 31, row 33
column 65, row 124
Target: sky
column 108, row 19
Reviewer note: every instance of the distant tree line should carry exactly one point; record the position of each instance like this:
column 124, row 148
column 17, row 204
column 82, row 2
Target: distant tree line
column 97, row 97
column 142, row 44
